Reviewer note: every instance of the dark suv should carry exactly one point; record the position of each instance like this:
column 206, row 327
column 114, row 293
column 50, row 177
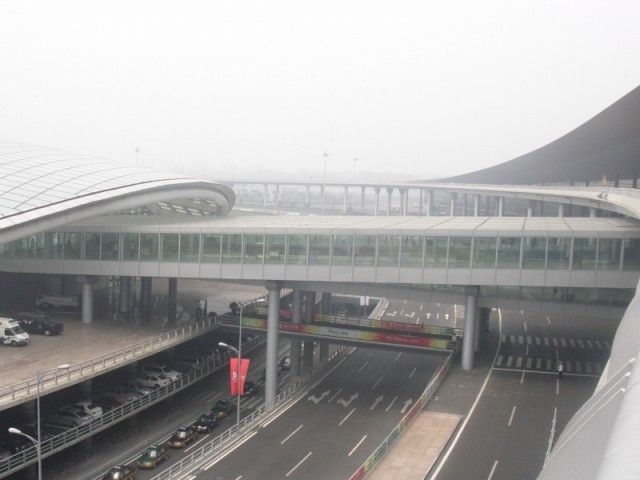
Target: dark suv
column 36, row 322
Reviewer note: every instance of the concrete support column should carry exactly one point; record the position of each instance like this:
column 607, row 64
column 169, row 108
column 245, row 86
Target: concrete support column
column 529, row 208
column 322, row 198
column 430, row 202
column 273, row 318
column 324, row 351
column 593, row 212
column 452, row 205
column 145, row 297
column 325, row 304
column 265, row 196
column 476, row 205
column 296, row 344
column 307, row 359
column 172, row 302
column 307, row 198
column 376, row 205
column 87, row 301
column 125, row 294
column 403, row 201
column 468, row 339
column 501, row 206
column 389, row 195
column 345, row 199
column 362, row 200
column 464, row 204
column 561, row 210
column 421, row 202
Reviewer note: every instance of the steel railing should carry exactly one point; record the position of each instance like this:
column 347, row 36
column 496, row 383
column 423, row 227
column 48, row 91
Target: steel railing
column 388, row 325
column 49, row 380
column 236, row 434
column 74, row 435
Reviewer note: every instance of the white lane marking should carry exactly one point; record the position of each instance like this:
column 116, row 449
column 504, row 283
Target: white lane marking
column 228, row 452
column 397, row 356
column 357, row 445
column 452, row 445
column 334, row 396
column 557, row 386
column 406, row 405
column 298, row 464
column 522, row 377
column 598, row 344
column 503, row 339
column 525, row 326
column 538, row 363
column 509, row 361
column 519, row 362
column 346, row 417
column 196, row 443
column 548, row 320
column 537, row 340
column 376, row 384
column 529, row 360
column 546, row 341
column 555, row 341
column 412, row 372
column 499, row 361
column 513, row 412
column 572, row 342
column 363, row 365
column 493, row 469
column 520, row 339
column 391, row 404
column 291, row 434
column 563, row 342
column 239, row 477
column 528, row 340
column 376, row 402
column 512, row 338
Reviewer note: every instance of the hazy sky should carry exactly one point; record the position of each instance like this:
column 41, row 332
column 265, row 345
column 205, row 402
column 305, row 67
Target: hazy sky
column 233, row 88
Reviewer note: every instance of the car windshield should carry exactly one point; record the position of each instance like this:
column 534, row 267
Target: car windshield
column 16, row 330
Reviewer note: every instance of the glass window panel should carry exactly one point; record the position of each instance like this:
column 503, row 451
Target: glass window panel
column 435, row 252
column 459, row 252
column 19, row 248
column 149, row 247
column 253, row 248
column 609, row 253
column 484, row 252
column 72, row 245
column 109, row 246
column 169, row 247
column 533, row 252
column 92, row 246
column 342, row 250
column 388, row 251
column 319, row 249
column 297, row 249
column 36, row 246
column 364, row 251
column 189, row 247
column 584, row 253
column 211, row 248
column 411, row 251
column 631, row 254
column 509, row 252
column 5, row 250
column 558, row 253
column 231, row 248
column 130, row 246
column 55, row 243
column 275, row 249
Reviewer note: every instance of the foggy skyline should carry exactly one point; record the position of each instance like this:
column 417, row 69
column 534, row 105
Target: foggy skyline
column 413, row 89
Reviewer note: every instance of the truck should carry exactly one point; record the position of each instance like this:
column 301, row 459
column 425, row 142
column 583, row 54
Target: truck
column 38, row 322
column 63, row 303
column 11, row 333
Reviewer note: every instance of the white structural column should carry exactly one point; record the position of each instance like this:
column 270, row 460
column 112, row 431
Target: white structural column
column 362, row 199
column 430, row 201
column 469, row 335
column 403, row 201
column 389, row 195
column 476, row 205
column 296, row 344
column 87, row 300
column 376, row 205
column 593, row 212
column 276, row 197
column 529, row 208
column 500, row 206
column 421, row 202
column 345, row 199
column 265, row 195
column 322, row 198
column 452, row 205
column 273, row 312
column 125, row 294
column 307, row 359
column 561, row 210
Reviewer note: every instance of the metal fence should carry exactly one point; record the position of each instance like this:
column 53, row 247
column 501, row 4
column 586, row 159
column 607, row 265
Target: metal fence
column 234, row 435
column 74, row 435
column 54, row 379
column 387, row 443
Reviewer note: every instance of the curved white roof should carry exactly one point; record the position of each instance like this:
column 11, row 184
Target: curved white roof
column 43, row 183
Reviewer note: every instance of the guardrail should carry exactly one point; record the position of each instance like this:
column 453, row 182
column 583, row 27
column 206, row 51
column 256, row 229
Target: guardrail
column 234, row 434
column 386, row 444
column 388, row 325
column 54, row 379
column 72, row 436
column 379, row 309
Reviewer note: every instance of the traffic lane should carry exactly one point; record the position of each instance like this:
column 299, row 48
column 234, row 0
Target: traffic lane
column 542, row 323
column 425, row 313
column 329, row 423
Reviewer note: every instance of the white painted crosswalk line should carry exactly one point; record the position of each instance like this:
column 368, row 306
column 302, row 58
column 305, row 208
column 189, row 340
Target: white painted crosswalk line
column 512, row 338
column 578, row 367
column 520, row 339
column 538, row 363
column 587, row 367
column 499, row 361
column 563, row 342
column 589, row 344
column 546, row 341
column 537, row 340
column 529, row 360
column 598, row 344
column 580, row 343
column 572, row 343
column 509, row 361
column 555, row 341
column 503, row 339
column 529, row 339
column 519, row 362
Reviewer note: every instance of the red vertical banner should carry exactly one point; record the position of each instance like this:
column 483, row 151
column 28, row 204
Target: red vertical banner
column 234, row 386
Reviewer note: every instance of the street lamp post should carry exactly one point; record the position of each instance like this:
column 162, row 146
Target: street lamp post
column 38, row 442
column 238, row 352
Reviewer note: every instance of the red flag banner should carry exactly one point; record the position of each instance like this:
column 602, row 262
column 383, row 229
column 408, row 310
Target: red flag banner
column 236, row 387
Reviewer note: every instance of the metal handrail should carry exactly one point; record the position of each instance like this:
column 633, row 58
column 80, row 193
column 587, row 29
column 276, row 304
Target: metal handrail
column 389, row 325
column 236, row 433
column 28, row 388
column 74, row 435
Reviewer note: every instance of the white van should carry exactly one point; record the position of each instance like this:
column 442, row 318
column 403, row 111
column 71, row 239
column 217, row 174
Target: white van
column 11, row 333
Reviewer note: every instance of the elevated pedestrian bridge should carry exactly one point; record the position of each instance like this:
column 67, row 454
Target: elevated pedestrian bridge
column 573, row 252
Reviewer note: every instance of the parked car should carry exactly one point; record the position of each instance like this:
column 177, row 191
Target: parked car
column 207, row 422
column 58, row 302
column 154, row 381
column 137, row 387
column 108, row 402
column 285, row 362
column 123, row 393
column 250, row 388
column 157, row 369
column 72, row 416
column 183, row 437
column 152, row 457
column 120, row 472
column 90, row 408
column 11, row 333
column 39, row 323
column 223, row 407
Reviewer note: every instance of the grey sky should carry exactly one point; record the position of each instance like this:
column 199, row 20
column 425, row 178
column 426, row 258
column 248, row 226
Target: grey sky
column 234, row 88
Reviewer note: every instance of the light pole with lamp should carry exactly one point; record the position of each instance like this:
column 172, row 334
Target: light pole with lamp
column 238, row 352
column 37, row 442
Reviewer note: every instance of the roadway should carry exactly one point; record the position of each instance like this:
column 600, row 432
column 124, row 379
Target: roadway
column 331, row 431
